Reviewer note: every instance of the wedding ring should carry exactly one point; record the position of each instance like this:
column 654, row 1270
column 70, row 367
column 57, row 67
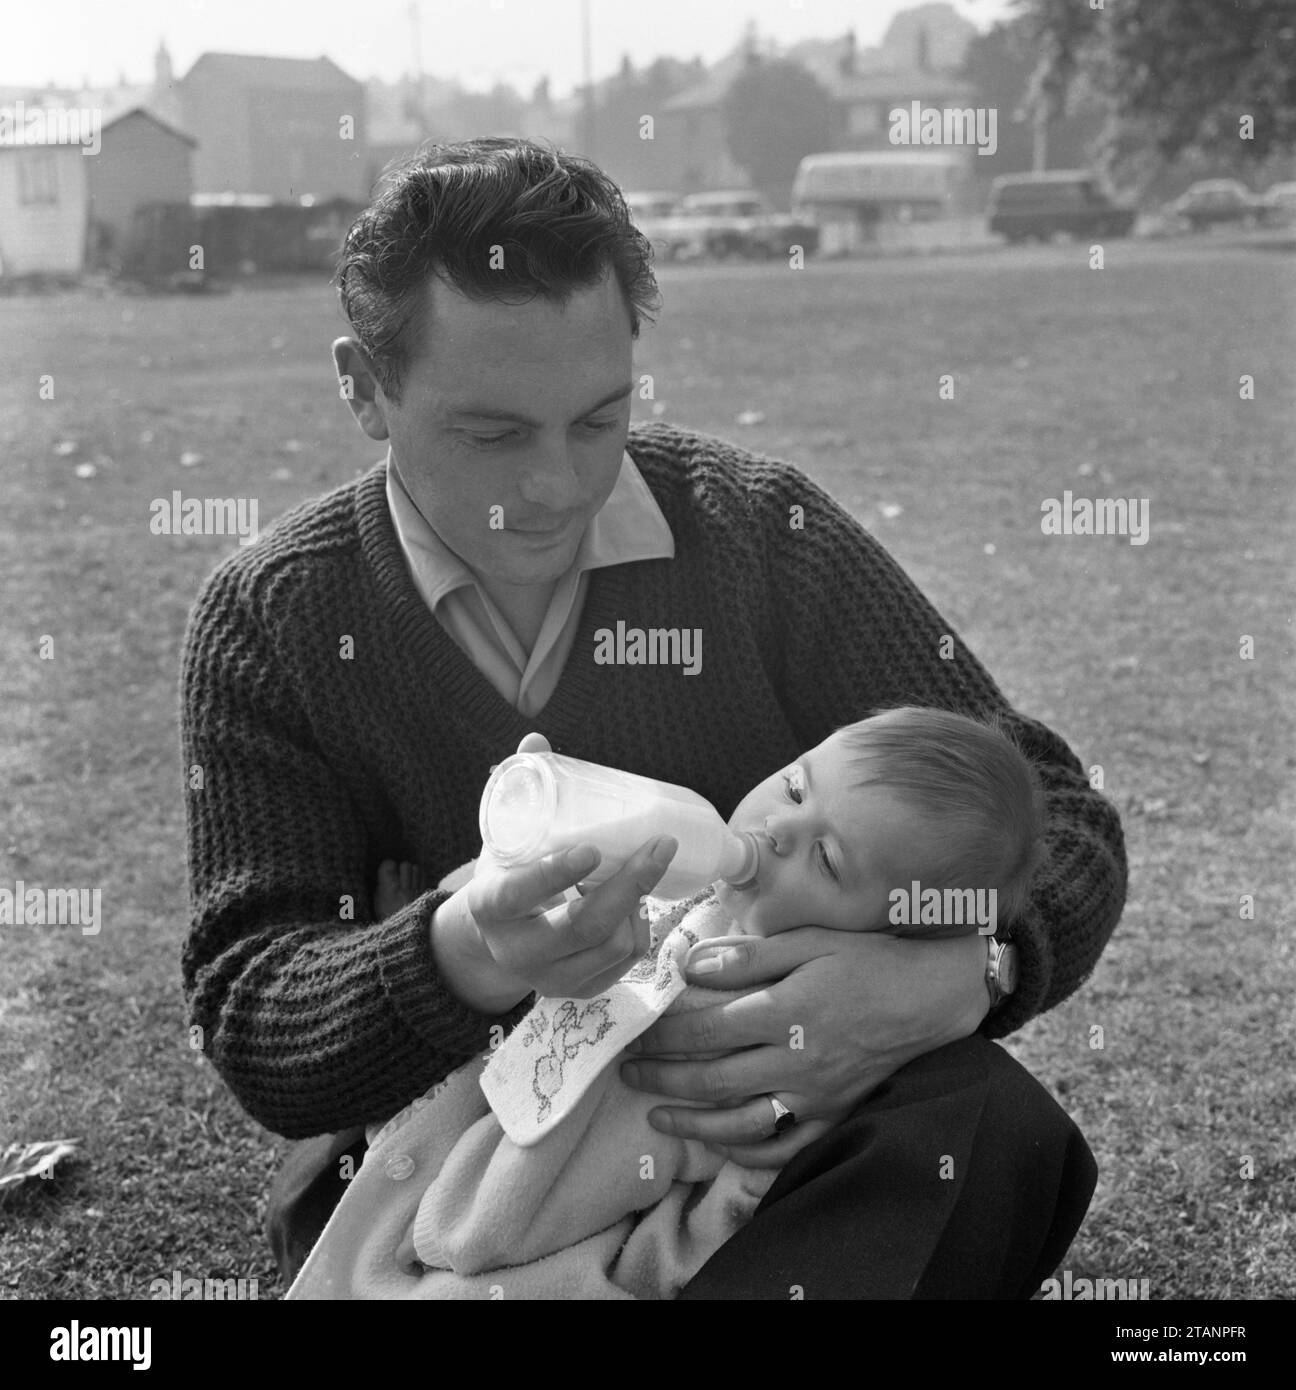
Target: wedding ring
column 784, row 1119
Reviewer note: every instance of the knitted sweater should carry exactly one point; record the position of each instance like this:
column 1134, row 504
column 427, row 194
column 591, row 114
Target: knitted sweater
column 336, row 724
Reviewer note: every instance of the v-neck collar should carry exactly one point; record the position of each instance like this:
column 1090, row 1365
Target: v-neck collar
column 566, row 712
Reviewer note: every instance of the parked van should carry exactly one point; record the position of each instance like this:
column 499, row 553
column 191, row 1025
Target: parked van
column 1070, row 201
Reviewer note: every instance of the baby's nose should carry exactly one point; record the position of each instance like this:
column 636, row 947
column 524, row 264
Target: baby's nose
column 779, row 833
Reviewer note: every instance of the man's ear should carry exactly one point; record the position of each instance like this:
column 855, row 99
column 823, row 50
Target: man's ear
column 359, row 387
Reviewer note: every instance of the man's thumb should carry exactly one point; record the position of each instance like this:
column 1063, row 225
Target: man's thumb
column 728, row 964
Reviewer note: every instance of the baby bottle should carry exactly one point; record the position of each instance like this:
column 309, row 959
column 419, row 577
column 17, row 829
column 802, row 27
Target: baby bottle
column 540, row 803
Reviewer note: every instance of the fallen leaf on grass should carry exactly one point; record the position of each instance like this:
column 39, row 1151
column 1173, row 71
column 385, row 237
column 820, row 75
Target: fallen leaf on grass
column 749, row 417
column 20, row 1163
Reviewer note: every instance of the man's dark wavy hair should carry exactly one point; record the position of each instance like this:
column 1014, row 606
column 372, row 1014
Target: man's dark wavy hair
column 560, row 222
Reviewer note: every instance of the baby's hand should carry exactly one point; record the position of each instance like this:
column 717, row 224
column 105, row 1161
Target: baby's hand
column 398, row 886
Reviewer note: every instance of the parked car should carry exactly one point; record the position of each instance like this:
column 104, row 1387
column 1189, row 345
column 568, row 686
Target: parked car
column 1041, row 205
column 744, row 223
column 1278, row 206
column 1215, row 201
column 657, row 215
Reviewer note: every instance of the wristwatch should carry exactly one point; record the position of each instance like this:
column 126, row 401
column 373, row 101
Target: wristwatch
column 1001, row 970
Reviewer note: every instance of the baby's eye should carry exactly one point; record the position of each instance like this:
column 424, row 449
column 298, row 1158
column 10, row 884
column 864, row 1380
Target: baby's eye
column 795, row 784
column 825, row 863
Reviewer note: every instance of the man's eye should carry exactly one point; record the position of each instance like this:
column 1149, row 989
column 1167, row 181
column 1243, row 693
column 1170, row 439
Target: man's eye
column 597, row 426
column 489, row 439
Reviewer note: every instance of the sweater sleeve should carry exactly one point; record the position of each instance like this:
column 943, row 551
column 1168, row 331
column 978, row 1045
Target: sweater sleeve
column 317, row 1017
column 855, row 634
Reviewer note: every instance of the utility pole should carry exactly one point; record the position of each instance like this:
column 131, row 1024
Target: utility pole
column 416, row 58
column 1039, row 142
column 591, row 132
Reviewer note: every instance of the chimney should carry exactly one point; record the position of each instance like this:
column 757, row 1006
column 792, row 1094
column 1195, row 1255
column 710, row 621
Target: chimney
column 163, row 75
column 846, row 63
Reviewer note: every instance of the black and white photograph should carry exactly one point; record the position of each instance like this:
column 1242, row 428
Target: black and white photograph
column 648, row 655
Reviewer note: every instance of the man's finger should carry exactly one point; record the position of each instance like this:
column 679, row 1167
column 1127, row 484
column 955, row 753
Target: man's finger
column 744, row 1022
column 737, row 962
column 779, row 1151
column 741, row 1127
column 618, row 897
column 715, row 1082
column 518, row 892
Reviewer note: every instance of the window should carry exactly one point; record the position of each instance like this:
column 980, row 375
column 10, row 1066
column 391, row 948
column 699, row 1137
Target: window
column 37, row 176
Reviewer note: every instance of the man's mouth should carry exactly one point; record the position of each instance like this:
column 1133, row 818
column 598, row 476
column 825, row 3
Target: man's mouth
column 540, row 532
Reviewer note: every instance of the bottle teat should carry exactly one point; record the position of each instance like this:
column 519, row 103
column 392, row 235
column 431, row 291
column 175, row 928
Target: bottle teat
column 743, row 874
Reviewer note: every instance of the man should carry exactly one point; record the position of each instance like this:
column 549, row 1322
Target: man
column 349, row 682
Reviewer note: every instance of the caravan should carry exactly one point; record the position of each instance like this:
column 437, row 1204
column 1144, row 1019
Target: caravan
column 848, row 193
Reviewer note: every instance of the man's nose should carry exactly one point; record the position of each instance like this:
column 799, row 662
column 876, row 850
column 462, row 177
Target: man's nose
column 550, row 480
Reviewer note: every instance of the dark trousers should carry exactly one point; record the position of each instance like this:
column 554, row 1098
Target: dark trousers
column 959, row 1177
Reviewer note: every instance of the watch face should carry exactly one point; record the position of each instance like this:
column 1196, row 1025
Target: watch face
column 1008, row 968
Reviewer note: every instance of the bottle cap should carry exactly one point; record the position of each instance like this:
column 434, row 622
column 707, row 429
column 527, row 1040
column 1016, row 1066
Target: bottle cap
column 516, row 808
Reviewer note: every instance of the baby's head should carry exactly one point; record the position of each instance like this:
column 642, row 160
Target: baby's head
column 907, row 795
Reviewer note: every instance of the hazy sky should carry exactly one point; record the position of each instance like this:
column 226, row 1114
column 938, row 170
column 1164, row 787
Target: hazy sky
column 477, row 41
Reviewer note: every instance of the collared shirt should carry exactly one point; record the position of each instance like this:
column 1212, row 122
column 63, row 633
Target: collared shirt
column 629, row 526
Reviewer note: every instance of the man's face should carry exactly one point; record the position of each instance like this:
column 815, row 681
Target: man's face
column 830, row 851
column 512, row 423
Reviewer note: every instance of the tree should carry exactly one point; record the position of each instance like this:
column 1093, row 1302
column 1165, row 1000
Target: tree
column 623, row 103
column 1180, row 75
column 775, row 113
column 1000, row 65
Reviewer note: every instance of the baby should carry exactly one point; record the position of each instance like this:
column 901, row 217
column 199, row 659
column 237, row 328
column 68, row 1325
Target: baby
column 533, row 1172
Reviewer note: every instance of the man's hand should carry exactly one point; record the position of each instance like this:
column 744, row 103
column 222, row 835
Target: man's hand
column 840, row 1011
column 494, row 945
column 509, row 932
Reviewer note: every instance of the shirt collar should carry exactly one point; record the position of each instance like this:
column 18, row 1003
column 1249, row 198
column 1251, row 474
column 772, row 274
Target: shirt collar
column 628, row 527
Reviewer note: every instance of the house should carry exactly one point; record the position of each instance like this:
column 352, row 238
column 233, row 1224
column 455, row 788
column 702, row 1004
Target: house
column 144, row 159
column 43, row 198
column 290, row 128
column 917, row 60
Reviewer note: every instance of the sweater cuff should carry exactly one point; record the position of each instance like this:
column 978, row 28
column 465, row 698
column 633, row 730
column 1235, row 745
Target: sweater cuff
column 418, row 995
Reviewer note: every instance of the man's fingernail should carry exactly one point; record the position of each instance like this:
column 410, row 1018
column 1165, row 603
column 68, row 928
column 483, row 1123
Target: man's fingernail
column 581, row 860
column 664, row 851
column 630, row 1074
column 709, row 964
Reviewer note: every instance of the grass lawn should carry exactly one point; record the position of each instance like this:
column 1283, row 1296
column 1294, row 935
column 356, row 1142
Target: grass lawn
column 1122, row 382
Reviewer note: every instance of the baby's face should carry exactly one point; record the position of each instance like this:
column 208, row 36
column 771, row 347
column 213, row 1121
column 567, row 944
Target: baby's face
column 830, row 852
